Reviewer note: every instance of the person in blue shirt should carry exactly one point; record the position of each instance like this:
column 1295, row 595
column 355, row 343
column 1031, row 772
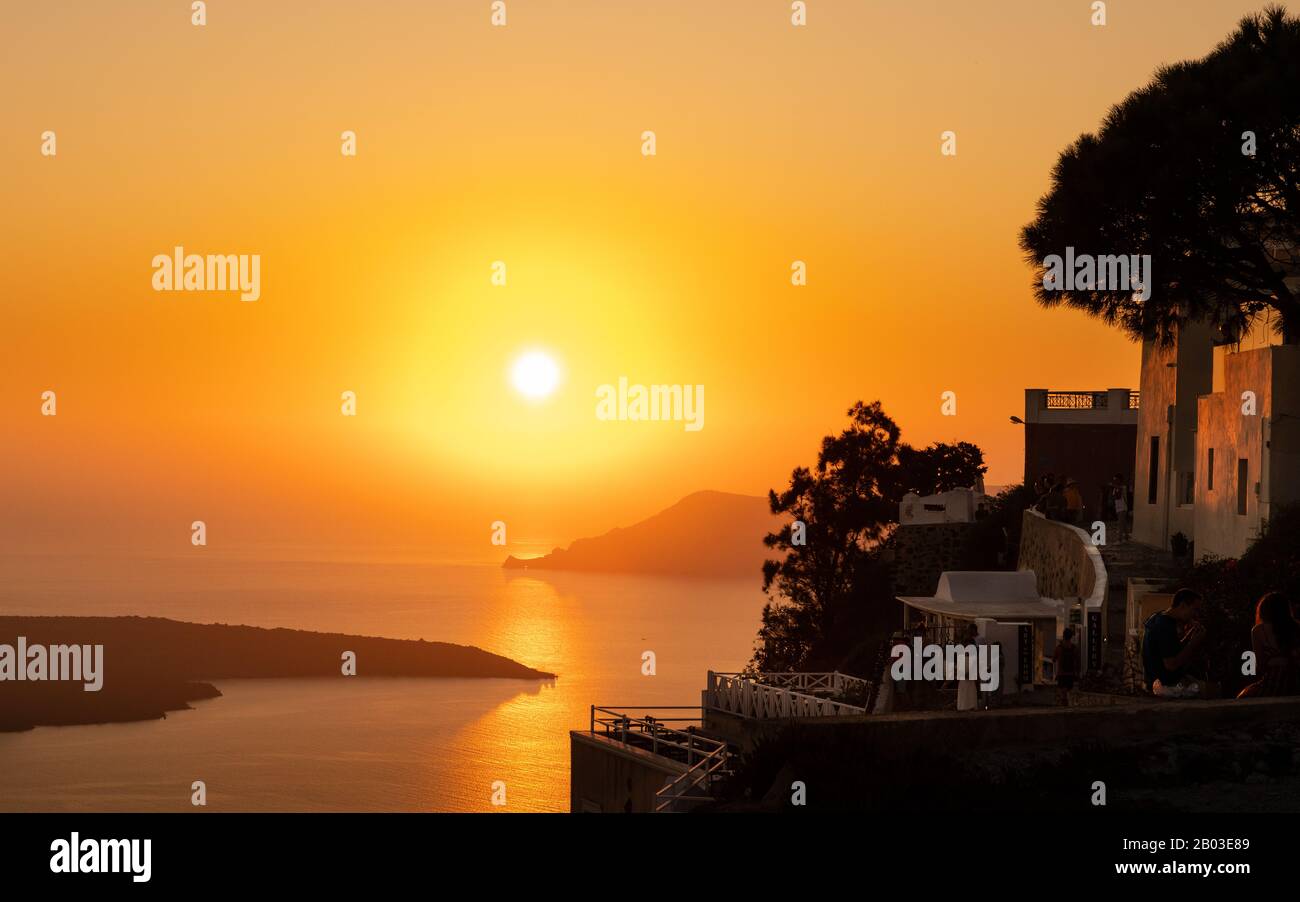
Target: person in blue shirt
column 1170, row 638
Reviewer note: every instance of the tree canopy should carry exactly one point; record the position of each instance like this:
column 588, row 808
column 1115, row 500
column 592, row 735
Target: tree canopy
column 834, row 585
column 1199, row 169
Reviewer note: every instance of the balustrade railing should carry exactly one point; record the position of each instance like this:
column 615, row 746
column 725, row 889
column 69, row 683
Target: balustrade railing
column 1077, row 400
column 744, row 695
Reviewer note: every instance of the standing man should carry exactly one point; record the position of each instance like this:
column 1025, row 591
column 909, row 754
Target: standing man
column 968, row 690
column 1065, row 662
column 1073, row 502
column 1119, row 500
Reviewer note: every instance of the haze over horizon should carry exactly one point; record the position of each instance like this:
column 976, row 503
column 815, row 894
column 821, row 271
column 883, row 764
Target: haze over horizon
column 668, row 269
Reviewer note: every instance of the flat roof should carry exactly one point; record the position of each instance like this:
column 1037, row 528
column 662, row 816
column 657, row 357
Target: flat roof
column 1008, row 610
column 995, row 594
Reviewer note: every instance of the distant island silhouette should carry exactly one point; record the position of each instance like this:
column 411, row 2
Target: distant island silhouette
column 152, row 665
column 707, row 533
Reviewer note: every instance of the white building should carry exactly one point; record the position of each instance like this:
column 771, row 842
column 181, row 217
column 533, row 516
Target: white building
column 957, row 506
column 1218, row 438
column 1007, row 609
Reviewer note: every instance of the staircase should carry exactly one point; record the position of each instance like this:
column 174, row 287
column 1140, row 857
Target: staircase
column 696, row 785
column 1126, row 560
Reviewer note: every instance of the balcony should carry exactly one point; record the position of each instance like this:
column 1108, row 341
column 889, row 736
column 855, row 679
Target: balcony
column 1112, row 405
column 1088, row 400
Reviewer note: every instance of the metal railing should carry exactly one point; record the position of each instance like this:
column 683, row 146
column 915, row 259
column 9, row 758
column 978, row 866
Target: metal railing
column 739, row 694
column 1077, row 400
column 1088, row 400
column 707, row 760
column 696, row 785
column 651, row 733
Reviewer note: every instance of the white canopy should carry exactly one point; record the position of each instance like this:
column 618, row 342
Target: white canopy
column 992, row 594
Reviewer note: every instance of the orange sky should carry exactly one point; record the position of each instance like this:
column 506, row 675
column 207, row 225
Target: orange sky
column 522, row 144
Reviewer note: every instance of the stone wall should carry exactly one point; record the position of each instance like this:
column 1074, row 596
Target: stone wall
column 1135, row 719
column 1062, row 557
column 924, row 551
column 1069, row 567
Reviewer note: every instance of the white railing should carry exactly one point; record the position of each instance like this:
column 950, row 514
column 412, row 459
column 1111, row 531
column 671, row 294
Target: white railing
column 834, row 683
column 735, row 693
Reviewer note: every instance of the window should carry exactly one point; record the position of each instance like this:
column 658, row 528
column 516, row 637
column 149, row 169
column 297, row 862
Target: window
column 1243, row 483
column 1209, row 471
column 1153, row 471
column 1186, row 488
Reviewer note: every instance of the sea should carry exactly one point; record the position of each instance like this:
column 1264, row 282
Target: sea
column 377, row 744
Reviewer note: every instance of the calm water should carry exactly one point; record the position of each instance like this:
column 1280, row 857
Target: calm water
column 379, row 744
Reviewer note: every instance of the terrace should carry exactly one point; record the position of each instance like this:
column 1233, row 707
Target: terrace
column 1111, row 405
column 676, row 754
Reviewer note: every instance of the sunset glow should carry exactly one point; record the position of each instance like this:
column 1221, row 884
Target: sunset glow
column 376, row 272
column 412, row 411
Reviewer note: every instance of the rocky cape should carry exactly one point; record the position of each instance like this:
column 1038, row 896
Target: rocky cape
column 152, row 665
column 711, row 534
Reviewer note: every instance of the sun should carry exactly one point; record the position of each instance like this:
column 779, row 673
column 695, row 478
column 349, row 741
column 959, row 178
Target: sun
column 535, row 374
